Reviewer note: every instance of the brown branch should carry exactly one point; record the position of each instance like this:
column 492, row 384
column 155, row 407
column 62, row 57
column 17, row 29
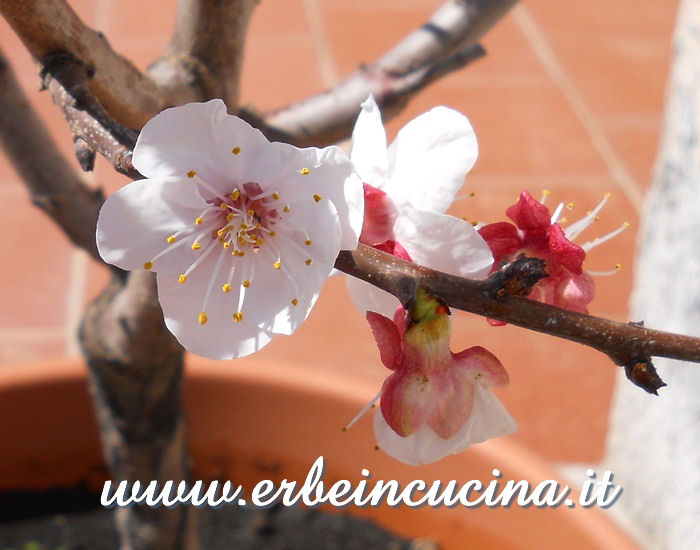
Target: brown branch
column 205, row 55
column 445, row 43
column 628, row 344
column 53, row 184
column 93, row 130
column 48, row 27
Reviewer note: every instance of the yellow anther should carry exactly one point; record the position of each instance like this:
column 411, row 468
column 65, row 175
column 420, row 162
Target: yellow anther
column 563, row 220
column 238, row 317
column 202, row 318
column 148, row 265
column 286, row 209
column 304, row 171
column 317, row 197
column 277, row 265
column 272, row 233
column 196, row 246
column 251, row 212
column 229, row 216
column 618, row 266
column 259, row 241
column 226, row 244
column 246, row 283
column 171, row 239
column 546, row 192
column 236, row 150
column 626, row 225
column 596, row 218
column 308, row 261
column 182, row 278
column 570, row 206
column 236, row 193
column 191, row 174
column 608, row 195
column 223, row 206
column 199, row 221
column 241, row 254
column 226, row 288
column 241, row 240
column 307, row 242
column 243, row 226
column 275, row 196
column 295, row 301
column 474, row 223
column 220, row 232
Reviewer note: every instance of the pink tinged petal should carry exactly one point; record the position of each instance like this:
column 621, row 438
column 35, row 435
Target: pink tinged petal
column 575, row 293
column 565, row 252
column 480, row 365
column 368, row 151
column 380, row 215
column 503, row 239
column 529, row 214
column 395, row 249
column 199, row 137
column 487, row 419
column 367, row 297
column 430, row 158
column 407, row 400
column 135, row 222
column 387, row 337
column 443, row 242
column 454, row 398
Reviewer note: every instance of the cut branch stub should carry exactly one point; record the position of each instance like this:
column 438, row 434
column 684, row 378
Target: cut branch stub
column 642, row 373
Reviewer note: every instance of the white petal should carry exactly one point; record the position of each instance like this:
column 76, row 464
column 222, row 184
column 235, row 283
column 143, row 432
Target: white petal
column 221, row 337
column 135, row 222
column 368, row 150
column 300, row 173
column 443, row 242
column 370, row 298
column 488, row 419
column 199, row 137
column 296, row 280
column 429, row 159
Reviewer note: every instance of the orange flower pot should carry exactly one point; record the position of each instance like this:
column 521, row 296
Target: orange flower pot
column 252, row 424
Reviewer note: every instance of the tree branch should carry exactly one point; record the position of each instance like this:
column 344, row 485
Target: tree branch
column 93, row 130
column 53, row 184
column 205, row 55
column 630, row 345
column 445, row 43
column 48, row 27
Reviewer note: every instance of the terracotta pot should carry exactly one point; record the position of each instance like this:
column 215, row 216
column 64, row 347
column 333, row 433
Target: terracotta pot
column 272, row 423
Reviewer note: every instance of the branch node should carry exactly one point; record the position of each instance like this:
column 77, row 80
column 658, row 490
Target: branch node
column 515, row 278
column 641, row 372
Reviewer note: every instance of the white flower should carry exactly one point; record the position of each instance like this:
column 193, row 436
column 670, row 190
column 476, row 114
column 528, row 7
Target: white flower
column 408, row 187
column 241, row 232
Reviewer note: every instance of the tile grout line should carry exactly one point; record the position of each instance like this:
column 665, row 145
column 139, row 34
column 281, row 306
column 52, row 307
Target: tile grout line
column 326, row 64
column 601, row 143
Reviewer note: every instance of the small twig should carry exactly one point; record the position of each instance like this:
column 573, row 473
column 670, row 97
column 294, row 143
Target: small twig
column 93, row 130
column 444, row 44
column 628, row 344
column 48, row 27
column 53, row 184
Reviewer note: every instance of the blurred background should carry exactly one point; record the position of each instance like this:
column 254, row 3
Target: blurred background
column 569, row 98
